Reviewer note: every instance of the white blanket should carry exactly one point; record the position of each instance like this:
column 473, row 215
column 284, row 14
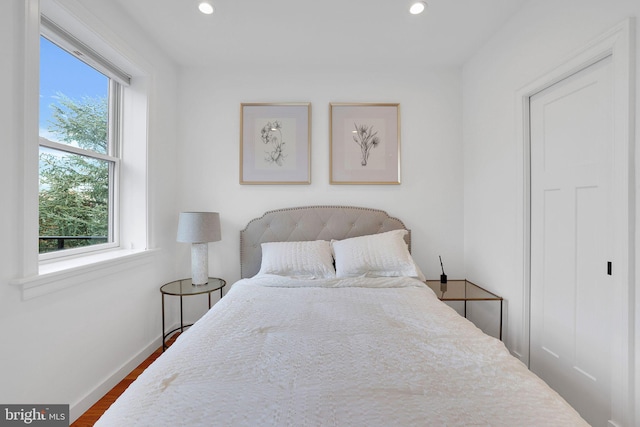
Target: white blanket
column 350, row 352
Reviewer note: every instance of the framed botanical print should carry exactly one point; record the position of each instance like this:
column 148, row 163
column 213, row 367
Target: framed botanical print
column 275, row 143
column 365, row 143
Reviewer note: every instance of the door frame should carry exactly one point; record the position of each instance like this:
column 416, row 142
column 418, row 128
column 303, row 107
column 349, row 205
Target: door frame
column 618, row 43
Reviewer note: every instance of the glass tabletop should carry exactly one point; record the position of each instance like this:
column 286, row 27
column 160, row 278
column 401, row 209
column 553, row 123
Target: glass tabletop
column 461, row 290
column 186, row 287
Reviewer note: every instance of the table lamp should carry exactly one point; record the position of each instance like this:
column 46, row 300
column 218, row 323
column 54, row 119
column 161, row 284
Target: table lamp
column 199, row 228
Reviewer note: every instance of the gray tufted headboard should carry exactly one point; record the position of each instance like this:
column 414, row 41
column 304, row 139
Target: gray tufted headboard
column 310, row 223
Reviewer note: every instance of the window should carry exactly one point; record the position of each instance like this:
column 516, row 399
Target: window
column 79, row 130
column 119, row 164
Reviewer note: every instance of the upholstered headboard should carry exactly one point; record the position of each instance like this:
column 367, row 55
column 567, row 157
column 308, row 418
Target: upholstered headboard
column 310, row 223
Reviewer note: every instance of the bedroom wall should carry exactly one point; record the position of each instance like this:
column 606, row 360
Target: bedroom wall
column 429, row 199
column 536, row 40
column 60, row 347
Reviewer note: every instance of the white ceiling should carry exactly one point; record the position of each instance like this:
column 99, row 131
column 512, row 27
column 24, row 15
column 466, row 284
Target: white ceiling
column 349, row 33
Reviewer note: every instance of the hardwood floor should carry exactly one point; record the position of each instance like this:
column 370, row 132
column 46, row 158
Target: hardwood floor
column 89, row 418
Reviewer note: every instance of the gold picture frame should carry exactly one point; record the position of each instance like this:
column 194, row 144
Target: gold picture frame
column 275, row 143
column 364, row 143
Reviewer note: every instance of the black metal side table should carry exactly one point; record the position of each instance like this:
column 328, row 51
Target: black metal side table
column 464, row 290
column 182, row 288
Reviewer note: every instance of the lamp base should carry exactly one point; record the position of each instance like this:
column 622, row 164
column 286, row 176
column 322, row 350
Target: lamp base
column 199, row 264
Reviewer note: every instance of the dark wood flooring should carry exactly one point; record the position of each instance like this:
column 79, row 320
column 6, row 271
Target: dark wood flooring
column 92, row 415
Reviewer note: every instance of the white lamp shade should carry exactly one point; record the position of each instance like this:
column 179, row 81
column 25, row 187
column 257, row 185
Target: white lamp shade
column 199, row 227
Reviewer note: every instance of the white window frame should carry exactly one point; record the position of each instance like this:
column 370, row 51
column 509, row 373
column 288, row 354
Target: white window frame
column 40, row 277
column 118, row 79
column 112, row 157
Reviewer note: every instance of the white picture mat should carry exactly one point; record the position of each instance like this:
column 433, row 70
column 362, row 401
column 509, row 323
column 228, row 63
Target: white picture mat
column 295, row 132
column 383, row 162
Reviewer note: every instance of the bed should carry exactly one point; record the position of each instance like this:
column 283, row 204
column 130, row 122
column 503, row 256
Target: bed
column 332, row 325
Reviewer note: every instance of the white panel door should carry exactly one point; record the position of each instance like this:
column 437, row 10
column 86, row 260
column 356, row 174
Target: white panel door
column 571, row 304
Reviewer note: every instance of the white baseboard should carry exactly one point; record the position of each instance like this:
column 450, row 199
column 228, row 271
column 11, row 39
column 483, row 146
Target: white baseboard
column 80, row 407
column 517, row 354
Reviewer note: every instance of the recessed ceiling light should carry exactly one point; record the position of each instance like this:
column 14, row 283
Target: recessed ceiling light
column 205, row 7
column 417, row 8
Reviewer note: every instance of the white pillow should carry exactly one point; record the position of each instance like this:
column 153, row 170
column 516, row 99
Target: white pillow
column 305, row 260
column 375, row 255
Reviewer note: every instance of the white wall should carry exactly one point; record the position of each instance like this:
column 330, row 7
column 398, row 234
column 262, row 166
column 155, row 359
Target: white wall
column 540, row 37
column 429, row 200
column 59, row 347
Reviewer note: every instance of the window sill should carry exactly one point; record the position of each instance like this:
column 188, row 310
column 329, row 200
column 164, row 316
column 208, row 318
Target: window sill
column 58, row 275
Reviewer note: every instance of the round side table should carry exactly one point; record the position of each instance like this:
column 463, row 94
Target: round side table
column 183, row 288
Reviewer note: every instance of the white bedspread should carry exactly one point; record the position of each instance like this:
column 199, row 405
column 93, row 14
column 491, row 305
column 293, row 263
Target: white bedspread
column 336, row 353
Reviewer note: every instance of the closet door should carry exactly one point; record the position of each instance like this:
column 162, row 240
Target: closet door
column 571, row 294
